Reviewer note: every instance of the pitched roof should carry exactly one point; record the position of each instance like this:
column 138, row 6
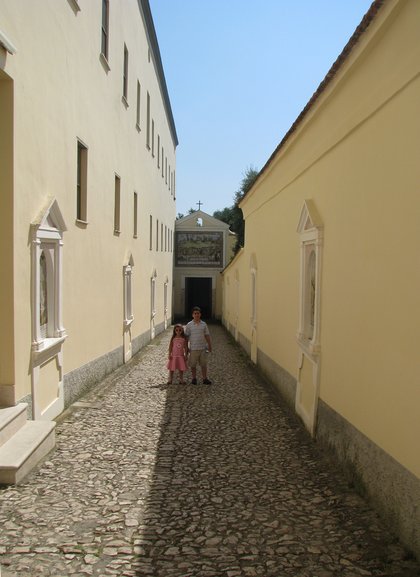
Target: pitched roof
column 190, row 222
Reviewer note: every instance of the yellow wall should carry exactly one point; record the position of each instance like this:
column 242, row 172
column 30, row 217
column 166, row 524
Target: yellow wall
column 61, row 95
column 355, row 155
column 6, row 231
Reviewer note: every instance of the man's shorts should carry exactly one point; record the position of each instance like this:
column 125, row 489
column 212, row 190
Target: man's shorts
column 200, row 357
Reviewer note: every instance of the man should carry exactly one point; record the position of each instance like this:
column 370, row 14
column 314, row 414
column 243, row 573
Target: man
column 198, row 335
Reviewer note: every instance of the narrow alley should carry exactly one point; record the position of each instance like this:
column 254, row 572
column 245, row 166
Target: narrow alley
column 157, row 480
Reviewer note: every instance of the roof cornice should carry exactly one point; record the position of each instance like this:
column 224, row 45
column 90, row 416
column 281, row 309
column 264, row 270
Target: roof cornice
column 154, row 45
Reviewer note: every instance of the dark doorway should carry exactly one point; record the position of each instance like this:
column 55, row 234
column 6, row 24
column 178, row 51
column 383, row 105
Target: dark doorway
column 198, row 293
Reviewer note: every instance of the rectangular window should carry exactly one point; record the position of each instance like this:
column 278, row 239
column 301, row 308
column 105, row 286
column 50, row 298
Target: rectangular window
column 163, row 155
column 161, row 237
column 169, row 177
column 157, row 234
column 125, row 74
column 138, row 105
column 81, row 211
column 117, row 206
column 153, row 138
column 135, row 215
column 166, row 238
column 105, row 28
column 148, row 122
column 166, row 171
column 151, row 233
column 158, row 152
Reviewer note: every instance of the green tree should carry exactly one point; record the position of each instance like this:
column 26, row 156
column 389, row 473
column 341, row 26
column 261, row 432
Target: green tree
column 233, row 215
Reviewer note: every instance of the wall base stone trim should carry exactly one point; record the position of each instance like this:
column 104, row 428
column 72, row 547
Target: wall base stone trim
column 245, row 343
column 140, row 342
column 78, row 382
column 82, row 379
column 284, row 383
column 393, row 490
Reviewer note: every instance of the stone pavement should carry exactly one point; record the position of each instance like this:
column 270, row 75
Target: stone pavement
column 189, row 481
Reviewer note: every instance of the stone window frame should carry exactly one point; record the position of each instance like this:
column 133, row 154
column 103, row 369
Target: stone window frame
column 125, row 76
column 82, row 180
column 148, row 119
column 104, row 54
column 135, row 214
column 138, row 106
column 117, row 204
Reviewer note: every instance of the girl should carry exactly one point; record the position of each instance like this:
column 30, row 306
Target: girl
column 178, row 352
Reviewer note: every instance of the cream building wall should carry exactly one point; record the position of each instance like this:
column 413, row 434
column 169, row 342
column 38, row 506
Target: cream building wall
column 343, row 187
column 58, row 90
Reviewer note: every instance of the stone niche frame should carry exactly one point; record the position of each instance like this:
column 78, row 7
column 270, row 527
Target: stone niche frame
column 48, row 333
column 153, row 278
column 311, row 231
column 253, row 269
column 128, row 307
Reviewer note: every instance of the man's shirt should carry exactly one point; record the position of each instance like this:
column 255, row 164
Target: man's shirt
column 196, row 333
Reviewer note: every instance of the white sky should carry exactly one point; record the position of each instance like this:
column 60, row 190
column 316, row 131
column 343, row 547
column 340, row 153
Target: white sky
column 238, row 73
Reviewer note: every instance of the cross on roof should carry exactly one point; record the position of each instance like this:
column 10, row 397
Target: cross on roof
column 199, row 204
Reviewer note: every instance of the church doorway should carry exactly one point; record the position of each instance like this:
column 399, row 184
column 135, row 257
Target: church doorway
column 198, row 293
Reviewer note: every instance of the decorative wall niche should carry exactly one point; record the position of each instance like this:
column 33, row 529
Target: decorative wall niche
column 46, row 252
column 48, row 333
column 128, row 301
column 310, row 230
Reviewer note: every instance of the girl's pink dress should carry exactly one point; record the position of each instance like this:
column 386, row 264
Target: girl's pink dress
column 177, row 361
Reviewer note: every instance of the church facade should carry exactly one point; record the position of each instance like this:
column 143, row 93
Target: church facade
column 203, row 247
column 87, row 193
column 324, row 296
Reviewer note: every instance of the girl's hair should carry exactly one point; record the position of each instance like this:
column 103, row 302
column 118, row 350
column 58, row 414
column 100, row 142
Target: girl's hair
column 182, row 331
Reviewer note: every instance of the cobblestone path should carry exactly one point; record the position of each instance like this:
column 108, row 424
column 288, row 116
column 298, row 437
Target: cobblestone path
column 189, row 481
